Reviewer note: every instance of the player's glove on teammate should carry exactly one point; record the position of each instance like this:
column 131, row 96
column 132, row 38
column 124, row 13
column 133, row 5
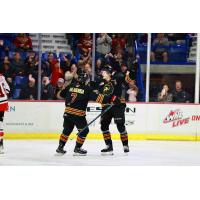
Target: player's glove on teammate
column 115, row 100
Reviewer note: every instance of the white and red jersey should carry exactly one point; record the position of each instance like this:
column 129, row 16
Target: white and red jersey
column 4, row 90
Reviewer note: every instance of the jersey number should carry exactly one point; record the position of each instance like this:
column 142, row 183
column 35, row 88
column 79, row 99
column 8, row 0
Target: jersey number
column 73, row 95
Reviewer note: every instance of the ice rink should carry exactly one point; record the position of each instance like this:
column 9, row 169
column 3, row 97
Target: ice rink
column 42, row 152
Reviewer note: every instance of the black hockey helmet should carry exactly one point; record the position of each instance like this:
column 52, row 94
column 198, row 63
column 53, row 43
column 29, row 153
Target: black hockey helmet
column 108, row 69
column 82, row 76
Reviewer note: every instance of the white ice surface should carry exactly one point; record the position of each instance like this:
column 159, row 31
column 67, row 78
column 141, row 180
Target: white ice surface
column 42, row 152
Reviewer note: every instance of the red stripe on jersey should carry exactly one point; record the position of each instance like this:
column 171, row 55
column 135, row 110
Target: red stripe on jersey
column 4, row 106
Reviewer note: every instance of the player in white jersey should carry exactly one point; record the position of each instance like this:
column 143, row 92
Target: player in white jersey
column 4, row 90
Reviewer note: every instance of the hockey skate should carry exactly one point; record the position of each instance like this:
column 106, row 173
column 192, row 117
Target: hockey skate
column 126, row 149
column 107, row 151
column 60, row 151
column 1, row 146
column 79, row 152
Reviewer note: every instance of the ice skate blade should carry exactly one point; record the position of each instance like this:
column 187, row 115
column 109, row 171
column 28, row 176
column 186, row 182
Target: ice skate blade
column 59, row 154
column 79, row 154
column 107, row 153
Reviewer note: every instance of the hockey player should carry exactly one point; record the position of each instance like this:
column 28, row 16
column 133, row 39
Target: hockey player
column 76, row 97
column 112, row 84
column 4, row 90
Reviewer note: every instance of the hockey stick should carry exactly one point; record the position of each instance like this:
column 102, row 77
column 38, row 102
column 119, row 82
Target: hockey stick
column 101, row 114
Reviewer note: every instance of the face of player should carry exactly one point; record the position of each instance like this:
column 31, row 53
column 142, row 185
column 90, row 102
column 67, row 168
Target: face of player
column 105, row 75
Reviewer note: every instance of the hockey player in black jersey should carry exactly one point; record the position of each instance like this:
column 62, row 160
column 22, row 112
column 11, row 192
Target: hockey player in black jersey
column 76, row 97
column 112, row 84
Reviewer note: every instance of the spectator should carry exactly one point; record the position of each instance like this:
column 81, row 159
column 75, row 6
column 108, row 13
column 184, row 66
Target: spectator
column 86, row 57
column 74, row 71
column 132, row 92
column 130, row 42
column 18, row 64
column 65, row 63
column 59, row 86
column 23, row 42
column 88, row 70
column 99, row 66
column 118, row 42
column 177, row 38
column 68, row 78
column 179, row 95
column 19, row 78
column 104, row 42
column 164, row 95
column 6, row 40
column 47, row 89
column 159, row 48
column 115, row 60
column 57, row 73
column 31, row 66
column 80, row 64
column 29, row 92
column 85, row 43
column 47, row 65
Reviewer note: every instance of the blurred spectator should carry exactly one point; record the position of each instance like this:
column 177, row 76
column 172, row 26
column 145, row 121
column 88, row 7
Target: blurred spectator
column 179, row 95
column 130, row 40
column 86, row 57
column 68, row 78
column 115, row 60
column 65, row 63
column 59, row 86
column 74, row 71
column 164, row 95
column 118, row 42
column 88, row 70
column 6, row 40
column 32, row 66
column 80, row 64
column 29, row 91
column 143, row 38
column 85, row 43
column 18, row 64
column 48, row 64
column 47, row 89
column 57, row 73
column 132, row 92
column 98, row 68
column 159, row 48
column 19, row 78
column 177, row 38
column 23, row 42
column 104, row 42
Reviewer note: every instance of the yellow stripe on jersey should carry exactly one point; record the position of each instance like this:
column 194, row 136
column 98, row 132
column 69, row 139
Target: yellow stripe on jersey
column 100, row 98
column 74, row 111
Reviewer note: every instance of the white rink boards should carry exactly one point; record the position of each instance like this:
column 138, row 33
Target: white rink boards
column 143, row 121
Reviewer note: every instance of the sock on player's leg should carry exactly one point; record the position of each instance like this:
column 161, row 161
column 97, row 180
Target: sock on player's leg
column 78, row 151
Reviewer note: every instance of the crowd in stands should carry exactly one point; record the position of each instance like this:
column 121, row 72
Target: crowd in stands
column 19, row 63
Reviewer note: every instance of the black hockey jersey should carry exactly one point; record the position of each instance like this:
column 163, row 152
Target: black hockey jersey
column 77, row 96
column 116, row 85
